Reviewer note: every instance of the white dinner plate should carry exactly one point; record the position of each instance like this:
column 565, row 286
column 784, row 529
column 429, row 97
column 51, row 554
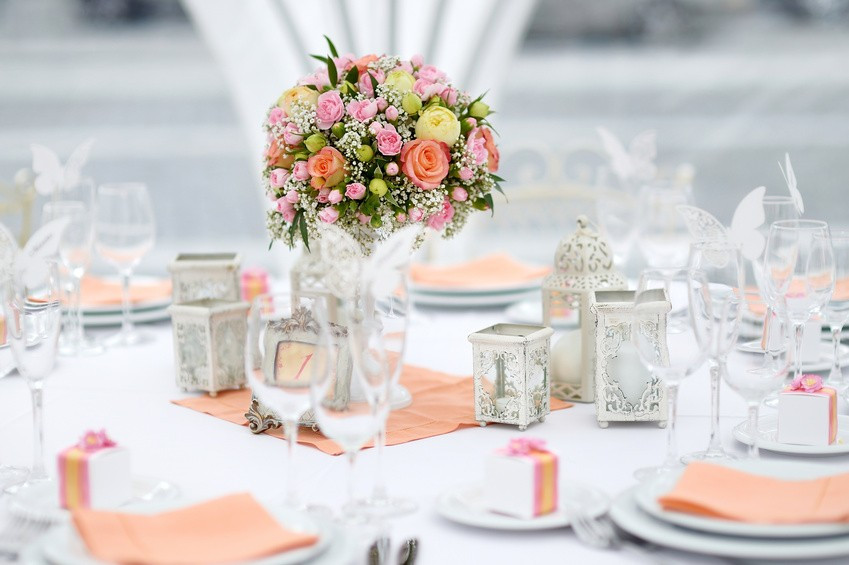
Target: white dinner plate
column 137, row 280
column 530, row 312
column 646, row 496
column 40, row 501
column 768, row 431
column 115, row 319
column 502, row 288
column 823, row 364
column 633, row 520
column 464, row 504
column 63, row 546
column 469, row 300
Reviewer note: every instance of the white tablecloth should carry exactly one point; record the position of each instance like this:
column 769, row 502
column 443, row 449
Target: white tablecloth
column 128, row 391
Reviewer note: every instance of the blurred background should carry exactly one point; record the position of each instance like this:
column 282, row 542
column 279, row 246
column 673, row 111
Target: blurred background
column 729, row 85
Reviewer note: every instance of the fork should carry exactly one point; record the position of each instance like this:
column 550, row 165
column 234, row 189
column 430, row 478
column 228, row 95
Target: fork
column 600, row 532
column 17, row 533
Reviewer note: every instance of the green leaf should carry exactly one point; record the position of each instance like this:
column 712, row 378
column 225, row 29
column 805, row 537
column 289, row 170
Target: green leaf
column 321, row 58
column 331, row 72
column 376, row 222
column 305, row 234
column 501, row 190
column 373, row 82
column 270, row 243
column 331, row 47
column 488, row 199
column 312, row 87
column 293, row 227
column 353, row 75
column 495, row 177
column 391, row 199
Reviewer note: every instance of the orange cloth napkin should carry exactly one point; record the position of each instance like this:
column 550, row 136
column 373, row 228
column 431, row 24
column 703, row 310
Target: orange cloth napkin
column 95, row 291
column 441, row 404
column 758, row 308
column 228, row 529
column 715, row 491
column 492, row 270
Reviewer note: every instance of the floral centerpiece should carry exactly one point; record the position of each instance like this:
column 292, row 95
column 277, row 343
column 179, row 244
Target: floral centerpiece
column 373, row 144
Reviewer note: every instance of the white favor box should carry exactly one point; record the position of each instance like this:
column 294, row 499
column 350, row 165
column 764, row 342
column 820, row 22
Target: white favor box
column 806, row 418
column 510, row 486
column 109, row 483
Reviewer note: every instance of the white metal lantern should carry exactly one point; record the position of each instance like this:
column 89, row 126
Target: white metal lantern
column 625, row 391
column 583, row 263
column 511, row 374
column 209, row 344
column 196, row 276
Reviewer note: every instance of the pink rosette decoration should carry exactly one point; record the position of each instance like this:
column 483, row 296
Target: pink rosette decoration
column 524, row 446
column 807, row 383
column 94, row 441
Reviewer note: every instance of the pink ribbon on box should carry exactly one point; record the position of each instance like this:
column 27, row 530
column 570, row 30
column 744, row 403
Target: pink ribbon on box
column 74, row 488
column 524, row 445
column 812, row 384
column 545, row 471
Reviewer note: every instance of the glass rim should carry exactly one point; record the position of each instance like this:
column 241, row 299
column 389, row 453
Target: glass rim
column 774, row 198
column 716, row 244
column 806, row 225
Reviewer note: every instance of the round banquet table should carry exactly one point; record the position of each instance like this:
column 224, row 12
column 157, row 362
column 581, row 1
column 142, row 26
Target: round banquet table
column 127, row 391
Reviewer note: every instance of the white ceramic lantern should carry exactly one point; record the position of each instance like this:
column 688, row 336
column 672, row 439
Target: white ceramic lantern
column 583, row 263
column 209, row 344
column 196, row 276
column 511, row 374
column 625, row 391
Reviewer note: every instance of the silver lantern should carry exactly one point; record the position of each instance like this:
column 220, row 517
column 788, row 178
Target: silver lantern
column 196, row 276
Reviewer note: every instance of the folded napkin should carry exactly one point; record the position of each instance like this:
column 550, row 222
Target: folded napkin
column 758, row 308
column 228, row 529
column 492, row 270
column 95, row 291
column 716, row 491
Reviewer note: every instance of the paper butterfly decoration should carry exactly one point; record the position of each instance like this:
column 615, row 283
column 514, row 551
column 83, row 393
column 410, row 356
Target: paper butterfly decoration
column 51, row 175
column 790, row 179
column 380, row 272
column 748, row 217
column 635, row 163
column 28, row 265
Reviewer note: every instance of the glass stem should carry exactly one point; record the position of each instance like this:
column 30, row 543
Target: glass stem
column 671, row 439
column 799, row 328
column 37, row 393
column 753, row 429
column 76, row 313
column 290, row 427
column 836, row 375
column 716, row 369
column 379, row 492
column 126, row 322
column 352, row 460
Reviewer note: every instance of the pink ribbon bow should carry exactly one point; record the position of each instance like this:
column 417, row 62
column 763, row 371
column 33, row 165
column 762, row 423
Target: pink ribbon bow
column 94, row 441
column 807, row 383
column 524, row 445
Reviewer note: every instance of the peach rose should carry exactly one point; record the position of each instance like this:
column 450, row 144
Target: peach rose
column 491, row 149
column 362, row 62
column 327, row 165
column 275, row 156
column 425, row 162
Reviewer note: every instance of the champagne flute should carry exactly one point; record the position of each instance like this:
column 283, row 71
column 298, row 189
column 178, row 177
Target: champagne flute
column 33, row 311
column 663, row 236
column 75, row 249
column 837, row 309
column 686, row 331
column 124, row 233
column 721, row 262
column 799, row 272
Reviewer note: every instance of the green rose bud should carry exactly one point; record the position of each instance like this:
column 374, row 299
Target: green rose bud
column 411, row 103
column 479, row 110
column 315, row 142
column 378, row 186
column 338, row 129
column 376, row 222
column 365, row 153
column 466, row 126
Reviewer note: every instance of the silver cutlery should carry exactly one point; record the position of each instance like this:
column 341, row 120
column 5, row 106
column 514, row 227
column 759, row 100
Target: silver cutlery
column 408, row 552
column 600, row 532
column 17, row 533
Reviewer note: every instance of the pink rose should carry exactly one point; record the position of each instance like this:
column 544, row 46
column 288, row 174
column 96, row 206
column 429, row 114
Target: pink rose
column 438, row 220
column 449, row 95
column 363, row 218
column 355, row 191
column 431, row 73
column 401, row 217
column 364, row 83
column 375, row 127
column 293, row 196
column 362, row 110
column 328, row 215
column 392, row 168
column 459, row 194
column 327, row 167
column 329, row 109
column 427, row 89
column 299, row 171
column 476, row 146
column 275, row 115
column 493, row 155
column 425, row 162
column 323, row 196
column 417, row 60
column 466, row 173
column 388, row 141
column 335, row 196
column 319, row 79
column 391, row 113
column 278, row 177
column 473, row 123
column 291, row 135
column 345, row 62
column 405, row 66
column 286, row 209
column 416, row 214
column 381, row 103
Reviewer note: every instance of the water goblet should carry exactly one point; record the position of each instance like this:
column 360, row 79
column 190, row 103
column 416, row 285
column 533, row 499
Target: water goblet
column 837, row 309
column 721, row 262
column 686, row 333
column 662, row 231
column 124, row 232
column 33, row 312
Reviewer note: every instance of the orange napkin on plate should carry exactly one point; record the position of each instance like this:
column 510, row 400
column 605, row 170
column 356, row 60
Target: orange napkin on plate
column 231, row 528
column 95, row 291
column 758, row 308
column 492, row 270
column 716, row 491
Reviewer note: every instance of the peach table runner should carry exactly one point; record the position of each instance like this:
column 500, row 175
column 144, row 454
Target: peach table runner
column 225, row 530
column 492, row 270
column 96, row 291
column 715, row 491
column 441, row 404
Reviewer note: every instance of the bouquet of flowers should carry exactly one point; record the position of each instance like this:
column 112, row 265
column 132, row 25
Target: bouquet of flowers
column 373, row 144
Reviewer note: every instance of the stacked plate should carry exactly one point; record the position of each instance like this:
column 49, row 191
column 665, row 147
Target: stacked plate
column 148, row 310
column 637, row 512
column 823, row 363
column 480, row 296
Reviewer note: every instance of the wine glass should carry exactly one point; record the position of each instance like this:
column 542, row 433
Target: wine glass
column 353, row 422
column 663, row 236
column 799, row 273
column 283, row 340
column 75, row 249
column 837, row 309
column 33, row 310
column 672, row 344
column 617, row 218
column 377, row 334
column 721, row 263
column 124, row 233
